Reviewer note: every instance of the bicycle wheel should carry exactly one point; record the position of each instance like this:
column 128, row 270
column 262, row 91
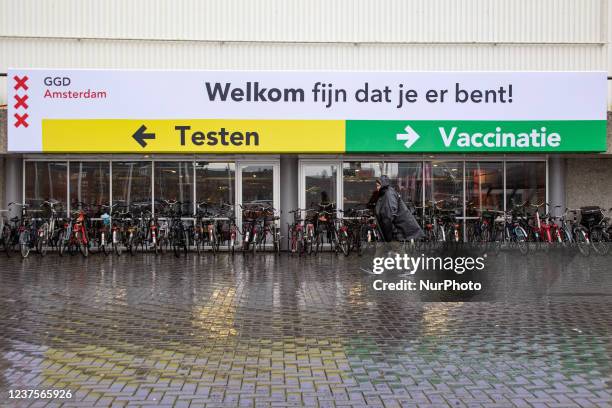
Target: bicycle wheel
column 232, row 245
column 103, row 243
column 521, row 240
column 117, row 245
column 582, row 241
column 41, row 242
column 246, row 239
column 293, row 241
column 498, row 239
column 214, row 242
column 485, row 235
column 254, row 243
column 130, row 244
column 61, row 237
column 24, row 244
column 41, row 246
column 344, row 243
column 276, row 240
column 598, row 241
column 162, row 243
column 198, row 245
column 7, row 240
column 185, row 242
column 358, row 244
column 174, row 243
column 80, row 243
column 308, row 241
column 318, row 244
column 300, row 243
column 84, row 249
column 333, row 240
column 566, row 237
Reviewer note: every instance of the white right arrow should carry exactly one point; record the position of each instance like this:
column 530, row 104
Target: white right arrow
column 410, row 136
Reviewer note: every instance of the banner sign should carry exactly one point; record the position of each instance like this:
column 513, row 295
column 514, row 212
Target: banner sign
column 111, row 111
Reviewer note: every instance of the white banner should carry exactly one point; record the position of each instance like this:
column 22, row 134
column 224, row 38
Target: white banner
column 37, row 94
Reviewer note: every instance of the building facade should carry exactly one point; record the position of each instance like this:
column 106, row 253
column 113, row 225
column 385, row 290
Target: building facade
column 367, row 35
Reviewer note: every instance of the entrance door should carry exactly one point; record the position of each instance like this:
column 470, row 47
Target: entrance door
column 320, row 181
column 257, row 182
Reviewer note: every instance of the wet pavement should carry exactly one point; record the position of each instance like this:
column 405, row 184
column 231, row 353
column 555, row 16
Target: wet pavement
column 286, row 331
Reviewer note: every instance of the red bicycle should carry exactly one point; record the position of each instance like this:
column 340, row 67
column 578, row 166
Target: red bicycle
column 74, row 235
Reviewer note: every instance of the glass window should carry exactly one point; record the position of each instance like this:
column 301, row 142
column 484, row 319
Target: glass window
column 320, row 184
column 46, row 180
column 359, row 182
column 215, row 183
column 90, row 184
column 173, row 182
column 484, row 187
column 444, row 184
column 525, row 182
column 132, row 184
column 407, row 178
column 258, row 184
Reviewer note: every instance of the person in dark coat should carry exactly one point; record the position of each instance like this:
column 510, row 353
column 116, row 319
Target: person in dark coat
column 393, row 214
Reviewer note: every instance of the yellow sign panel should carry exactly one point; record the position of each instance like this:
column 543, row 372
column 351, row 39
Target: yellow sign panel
column 192, row 136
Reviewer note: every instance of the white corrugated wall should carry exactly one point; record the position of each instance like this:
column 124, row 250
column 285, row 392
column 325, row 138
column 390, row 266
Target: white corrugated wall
column 550, row 21
column 305, row 34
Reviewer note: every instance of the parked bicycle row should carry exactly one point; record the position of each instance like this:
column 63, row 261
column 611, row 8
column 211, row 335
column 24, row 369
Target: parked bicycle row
column 130, row 229
column 524, row 227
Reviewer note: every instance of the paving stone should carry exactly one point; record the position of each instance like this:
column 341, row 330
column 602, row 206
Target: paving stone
column 267, row 331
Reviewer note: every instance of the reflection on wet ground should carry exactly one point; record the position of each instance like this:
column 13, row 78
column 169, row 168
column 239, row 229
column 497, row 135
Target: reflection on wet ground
column 283, row 331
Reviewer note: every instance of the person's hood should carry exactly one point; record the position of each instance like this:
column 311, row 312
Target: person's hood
column 384, row 181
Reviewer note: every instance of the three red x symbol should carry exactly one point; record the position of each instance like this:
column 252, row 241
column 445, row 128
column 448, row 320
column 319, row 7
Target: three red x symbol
column 21, row 82
column 21, row 120
column 21, row 101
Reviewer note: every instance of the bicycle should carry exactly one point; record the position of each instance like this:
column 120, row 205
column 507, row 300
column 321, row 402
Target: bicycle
column 25, row 230
column 206, row 228
column 598, row 225
column 47, row 232
column 325, row 223
column 267, row 226
column 509, row 227
column 253, row 223
column 178, row 234
column 100, row 232
column 577, row 232
column 343, row 232
column 295, row 233
column 153, row 233
column 436, row 226
column 74, row 237
column 5, row 234
column 229, row 234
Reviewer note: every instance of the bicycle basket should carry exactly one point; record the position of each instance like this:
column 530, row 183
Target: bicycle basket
column 249, row 214
column 590, row 216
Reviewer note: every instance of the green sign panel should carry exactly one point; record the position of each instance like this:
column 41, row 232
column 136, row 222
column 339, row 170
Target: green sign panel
column 448, row 136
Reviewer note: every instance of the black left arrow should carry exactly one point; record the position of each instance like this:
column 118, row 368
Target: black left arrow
column 140, row 136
